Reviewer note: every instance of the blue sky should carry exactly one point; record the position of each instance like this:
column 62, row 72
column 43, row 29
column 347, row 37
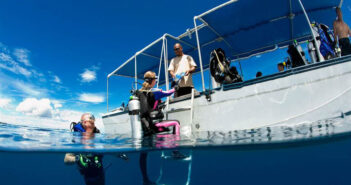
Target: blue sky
column 55, row 55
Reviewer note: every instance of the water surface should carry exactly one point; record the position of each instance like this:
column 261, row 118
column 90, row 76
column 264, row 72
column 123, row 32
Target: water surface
column 310, row 153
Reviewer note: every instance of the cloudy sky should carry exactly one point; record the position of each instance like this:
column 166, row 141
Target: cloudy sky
column 55, row 55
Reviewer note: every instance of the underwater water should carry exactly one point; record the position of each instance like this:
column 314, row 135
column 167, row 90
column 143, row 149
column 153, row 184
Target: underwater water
column 311, row 153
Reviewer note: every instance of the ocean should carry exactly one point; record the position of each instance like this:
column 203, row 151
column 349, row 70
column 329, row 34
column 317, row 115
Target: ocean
column 307, row 153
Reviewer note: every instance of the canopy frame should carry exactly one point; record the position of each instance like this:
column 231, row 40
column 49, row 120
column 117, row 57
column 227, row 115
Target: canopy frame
column 162, row 59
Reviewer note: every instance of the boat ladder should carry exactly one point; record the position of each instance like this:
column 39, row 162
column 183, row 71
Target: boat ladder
column 184, row 158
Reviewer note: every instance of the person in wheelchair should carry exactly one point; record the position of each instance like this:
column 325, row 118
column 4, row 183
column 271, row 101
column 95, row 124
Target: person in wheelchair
column 152, row 117
column 151, row 108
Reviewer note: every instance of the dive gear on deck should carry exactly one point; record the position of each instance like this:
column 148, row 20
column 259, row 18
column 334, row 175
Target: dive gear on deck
column 220, row 68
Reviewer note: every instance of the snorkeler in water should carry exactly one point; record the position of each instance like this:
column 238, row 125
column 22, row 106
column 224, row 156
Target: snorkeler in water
column 90, row 165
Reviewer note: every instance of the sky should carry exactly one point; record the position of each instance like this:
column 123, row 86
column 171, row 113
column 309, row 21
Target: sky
column 55, row 55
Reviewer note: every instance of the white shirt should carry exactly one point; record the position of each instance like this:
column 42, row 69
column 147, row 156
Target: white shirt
column 181, row 64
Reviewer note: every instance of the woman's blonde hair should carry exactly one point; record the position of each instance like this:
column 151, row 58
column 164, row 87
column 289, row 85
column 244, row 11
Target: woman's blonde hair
column 148, row 76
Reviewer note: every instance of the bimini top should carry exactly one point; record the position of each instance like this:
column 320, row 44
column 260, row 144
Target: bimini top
column 252, row 26
column 241, row 27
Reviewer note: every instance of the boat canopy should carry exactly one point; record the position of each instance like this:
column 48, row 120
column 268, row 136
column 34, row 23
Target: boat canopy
column 241, row 27
column 251, row 26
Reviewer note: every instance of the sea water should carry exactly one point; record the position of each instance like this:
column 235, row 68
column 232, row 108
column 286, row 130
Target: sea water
column 306, row 153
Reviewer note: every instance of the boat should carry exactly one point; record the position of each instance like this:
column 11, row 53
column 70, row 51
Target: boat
column 301, row 94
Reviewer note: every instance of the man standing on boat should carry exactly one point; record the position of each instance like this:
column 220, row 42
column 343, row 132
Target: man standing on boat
column 180, row 69
column 342, row 33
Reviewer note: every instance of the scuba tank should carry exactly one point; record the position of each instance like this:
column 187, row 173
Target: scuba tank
column 312, row 51
column 301, row 52
column 134, row 114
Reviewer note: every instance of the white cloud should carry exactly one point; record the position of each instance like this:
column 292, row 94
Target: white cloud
column 34, row 107
column 57, row 79
column 12, row 65
column 28, row 89
column 4, row 102
column 54, row 77
column 34, row 121
column 92, row 98
column 46, row 108
column 22, row 55
column 88, row 75
column 57, row 104
column 62, row 120
column 5, row 57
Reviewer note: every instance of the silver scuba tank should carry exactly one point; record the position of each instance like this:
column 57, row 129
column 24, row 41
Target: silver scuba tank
column 301, row 52
column 312, row 51
column 134, row 114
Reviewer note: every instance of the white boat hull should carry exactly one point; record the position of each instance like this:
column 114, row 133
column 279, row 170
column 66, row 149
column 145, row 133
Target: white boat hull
column 287, row 98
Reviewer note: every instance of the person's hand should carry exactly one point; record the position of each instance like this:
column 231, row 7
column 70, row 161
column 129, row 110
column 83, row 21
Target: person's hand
column 187, row 72
column 70, row 158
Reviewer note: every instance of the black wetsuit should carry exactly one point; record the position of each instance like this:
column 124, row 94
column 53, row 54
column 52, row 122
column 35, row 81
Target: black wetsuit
column 147, row 101
column 345, row 46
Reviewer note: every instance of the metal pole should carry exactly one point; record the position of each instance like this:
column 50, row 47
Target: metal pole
column 314, row 37
column 218, row 7
column 107, row 93
column 179, row 40
column 340, row 4
column 291, row 17
column 135, row 71
column 166, row 62
column 200, row 58
column 159, row 68
column 241, row 71
column 165, row 57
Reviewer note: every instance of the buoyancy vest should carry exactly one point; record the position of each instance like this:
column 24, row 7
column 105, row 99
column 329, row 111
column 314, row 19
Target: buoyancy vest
column 78, row 127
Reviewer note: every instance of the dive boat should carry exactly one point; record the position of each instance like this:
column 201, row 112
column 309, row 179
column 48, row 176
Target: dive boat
column 313, row 91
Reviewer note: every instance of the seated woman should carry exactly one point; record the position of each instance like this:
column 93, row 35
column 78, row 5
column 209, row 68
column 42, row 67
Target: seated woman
column 149, row 99
column 151, row 116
